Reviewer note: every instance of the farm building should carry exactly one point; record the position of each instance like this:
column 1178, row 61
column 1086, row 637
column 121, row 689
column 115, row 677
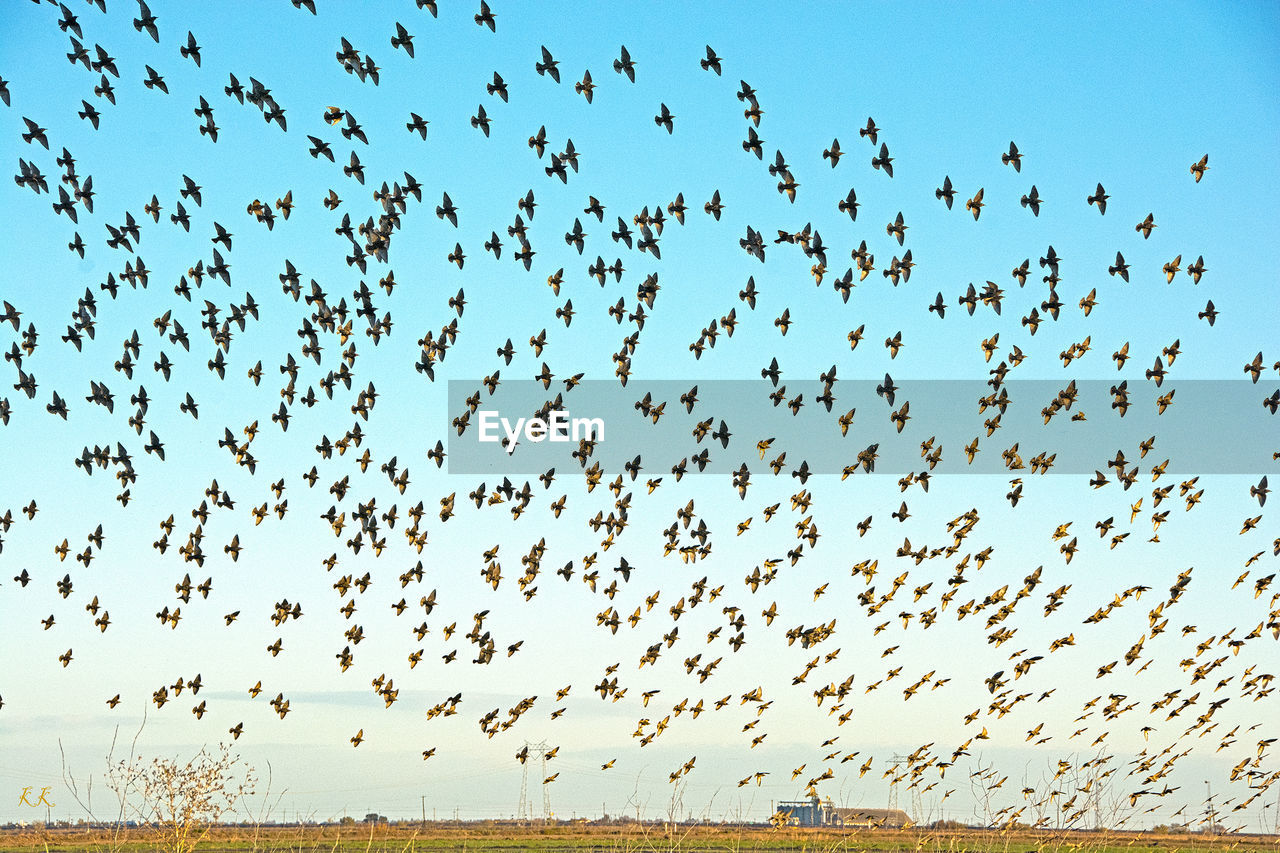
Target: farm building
column 815, row 812
column 802, row 812
column 867, row 818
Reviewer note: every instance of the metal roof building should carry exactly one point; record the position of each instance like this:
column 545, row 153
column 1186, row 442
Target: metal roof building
column 815, row 812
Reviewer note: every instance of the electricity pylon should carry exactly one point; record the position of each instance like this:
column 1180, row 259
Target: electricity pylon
column 538, row 752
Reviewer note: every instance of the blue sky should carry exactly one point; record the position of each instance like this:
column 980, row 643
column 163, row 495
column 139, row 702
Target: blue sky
column 1126, row 96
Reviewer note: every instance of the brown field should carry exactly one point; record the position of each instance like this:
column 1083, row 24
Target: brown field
column 634, row 838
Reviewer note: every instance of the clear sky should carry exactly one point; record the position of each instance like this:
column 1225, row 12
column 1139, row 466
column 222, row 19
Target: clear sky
column 1126, row 96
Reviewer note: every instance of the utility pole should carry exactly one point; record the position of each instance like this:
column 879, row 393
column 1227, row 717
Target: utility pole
column 424, row 808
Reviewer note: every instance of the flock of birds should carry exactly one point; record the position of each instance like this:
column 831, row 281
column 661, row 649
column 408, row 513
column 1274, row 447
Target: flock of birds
column 1179, row 720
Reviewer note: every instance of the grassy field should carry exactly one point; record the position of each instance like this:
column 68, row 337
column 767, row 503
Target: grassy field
column 654, row 838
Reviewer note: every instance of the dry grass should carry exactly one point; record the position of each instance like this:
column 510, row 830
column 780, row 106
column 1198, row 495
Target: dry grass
column 633, row 838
